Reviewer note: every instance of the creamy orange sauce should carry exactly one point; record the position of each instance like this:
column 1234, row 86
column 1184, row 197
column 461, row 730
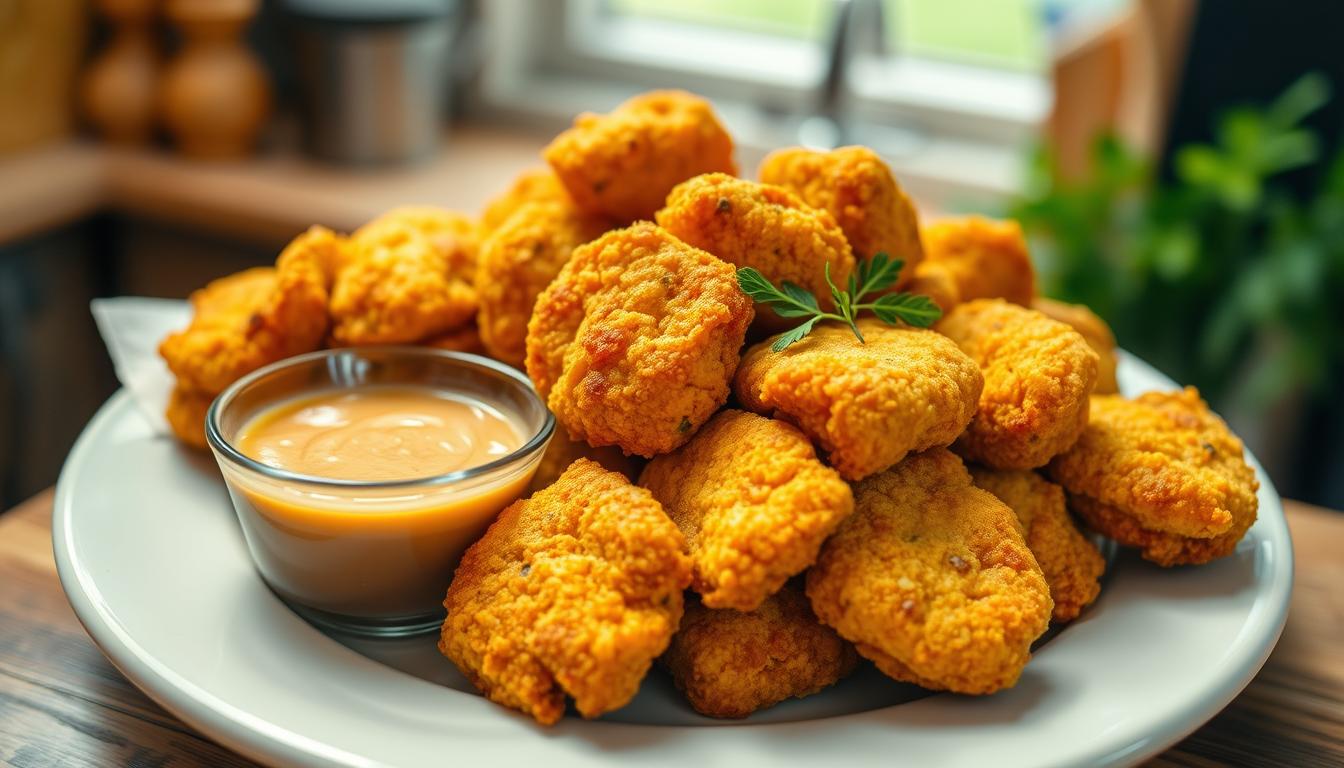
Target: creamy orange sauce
column 378, row 553
column 379, row 433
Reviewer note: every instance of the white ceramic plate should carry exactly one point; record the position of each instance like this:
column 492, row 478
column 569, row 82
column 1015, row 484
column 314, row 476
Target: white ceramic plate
column 156, row 568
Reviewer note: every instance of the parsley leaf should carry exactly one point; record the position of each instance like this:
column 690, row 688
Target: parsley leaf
column 869, row 276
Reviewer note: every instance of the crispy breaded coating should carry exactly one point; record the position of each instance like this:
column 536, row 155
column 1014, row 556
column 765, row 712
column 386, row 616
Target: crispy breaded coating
column 730, row 663
column 562, row 451
column 572, row 591
column 1071, row 563
column 867, row 405
column 1094, row 331
column 186, row 415
column 454, row 235
column 934, row 279
column 255, row 317
column 754, row 503
column 464, row 339
column 855, row 186
column 1038, row 375
column 1163, row 473
column 397, row 286
column 987, row 258
column 622, row 165
column 518, row 260
column 535, row 185
column 758, row 225
column 636, row 340
column 931, row 579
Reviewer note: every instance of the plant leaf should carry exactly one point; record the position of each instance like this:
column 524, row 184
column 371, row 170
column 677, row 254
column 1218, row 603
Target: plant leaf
column 788, row 338
column 879, row 274
column 911, row 308
column 754, row 284
column 800, row 295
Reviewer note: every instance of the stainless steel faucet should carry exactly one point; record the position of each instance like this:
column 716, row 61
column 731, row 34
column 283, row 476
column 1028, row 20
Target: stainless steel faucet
column 856, row 28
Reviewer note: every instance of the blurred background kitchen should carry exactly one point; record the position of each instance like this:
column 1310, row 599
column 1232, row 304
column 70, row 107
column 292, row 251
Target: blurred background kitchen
column 1176, row 163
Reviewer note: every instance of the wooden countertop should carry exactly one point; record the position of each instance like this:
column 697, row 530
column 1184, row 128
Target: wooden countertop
column 62, row 703
column 268, row 198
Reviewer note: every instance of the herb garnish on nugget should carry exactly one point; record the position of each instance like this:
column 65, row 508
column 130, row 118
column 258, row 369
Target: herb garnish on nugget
column 869, row 276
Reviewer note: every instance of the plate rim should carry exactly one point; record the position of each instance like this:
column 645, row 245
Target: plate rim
column 266, row 742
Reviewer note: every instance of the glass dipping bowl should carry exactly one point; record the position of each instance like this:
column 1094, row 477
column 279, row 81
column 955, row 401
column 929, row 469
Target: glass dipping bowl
column 371, row 558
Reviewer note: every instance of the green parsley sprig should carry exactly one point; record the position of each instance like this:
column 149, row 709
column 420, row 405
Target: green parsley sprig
column 869, row 276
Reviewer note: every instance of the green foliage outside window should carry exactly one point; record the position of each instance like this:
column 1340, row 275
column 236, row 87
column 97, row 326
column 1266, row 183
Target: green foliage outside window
column 1220, row 277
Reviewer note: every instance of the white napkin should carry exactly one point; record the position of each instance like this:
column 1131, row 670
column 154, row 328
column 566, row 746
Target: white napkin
column 132, row 328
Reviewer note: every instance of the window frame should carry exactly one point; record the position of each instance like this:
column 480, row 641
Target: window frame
column 543, row 58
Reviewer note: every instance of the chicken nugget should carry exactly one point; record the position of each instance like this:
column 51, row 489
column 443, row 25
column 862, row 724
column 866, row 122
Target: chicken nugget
column 562, row 451
column 636, row 340
column 535, row 185
column 572, row 591
column 867, row 405
column 857, row 187
column 730, row 663
column 518, row 260
column 987, row 258
column 763, row 226
column 396, row 286
column 1162, row 473
column 623, row 164
column 1038, row 376
column 465, row 339
column 255, row 317
column 186, row 415
column 754, row 503
column 1071, row 563
column 930, row 578
column 454, row 235
column 934, row 279
column 1094, row 331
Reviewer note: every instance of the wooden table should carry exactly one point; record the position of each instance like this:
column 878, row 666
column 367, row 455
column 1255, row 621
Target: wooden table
column 62, row 703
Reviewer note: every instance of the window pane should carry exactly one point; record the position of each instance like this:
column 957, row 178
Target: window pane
column 1011, row 34
column 803, row 19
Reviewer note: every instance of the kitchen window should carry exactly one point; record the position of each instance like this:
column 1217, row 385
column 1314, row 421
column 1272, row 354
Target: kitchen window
column 951, row 104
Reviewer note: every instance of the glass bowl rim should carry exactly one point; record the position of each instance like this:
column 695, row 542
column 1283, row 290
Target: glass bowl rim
column 226, row 449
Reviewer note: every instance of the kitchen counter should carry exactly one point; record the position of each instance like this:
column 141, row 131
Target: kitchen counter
column 268, row 198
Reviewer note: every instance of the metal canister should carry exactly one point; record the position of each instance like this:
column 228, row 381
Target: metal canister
column 373, row 76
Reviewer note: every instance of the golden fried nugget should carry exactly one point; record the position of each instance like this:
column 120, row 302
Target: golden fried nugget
column 636, row 340
column 186, row 415
column 255, row 317
column 758, row 225
column 454, row 235
column 1163, row 473
column 987, row 258
column 623, row 164
column 867, row 405
column 931, row 579
column 562, row 451
column 934, row 279
column 1094, row 331
column 395, row 286
column 730, row 663
column 1071, row 563
column 465, row 339
column 535, row 185
column 1038, row 375
column 855, row 186
column 575, row 590
column 754, row 503
column 518, row 260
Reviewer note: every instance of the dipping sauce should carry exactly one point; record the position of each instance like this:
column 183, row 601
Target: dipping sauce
column 380, row 433
column 348, row 552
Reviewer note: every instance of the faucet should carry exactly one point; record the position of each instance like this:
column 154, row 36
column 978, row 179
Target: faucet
column 856, row 27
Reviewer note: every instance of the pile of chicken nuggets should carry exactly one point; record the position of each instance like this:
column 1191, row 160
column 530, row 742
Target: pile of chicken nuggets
column 753, row 521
